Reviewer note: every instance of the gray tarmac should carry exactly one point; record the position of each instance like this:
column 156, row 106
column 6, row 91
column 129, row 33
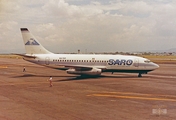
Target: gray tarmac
column 27, row 95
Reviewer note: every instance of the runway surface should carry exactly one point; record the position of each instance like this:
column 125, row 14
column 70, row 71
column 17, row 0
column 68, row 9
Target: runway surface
column 27, row 95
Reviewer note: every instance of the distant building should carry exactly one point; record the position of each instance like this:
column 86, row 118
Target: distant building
column 79, row 51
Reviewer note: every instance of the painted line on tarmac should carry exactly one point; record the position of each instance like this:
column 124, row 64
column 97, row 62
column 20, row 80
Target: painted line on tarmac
column 133, row 97
column 139, row 96
column 161, row 76
column 131, row 93
column 3, row 67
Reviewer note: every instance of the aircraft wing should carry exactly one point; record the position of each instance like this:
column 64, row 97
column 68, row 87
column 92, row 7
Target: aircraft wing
column 83, row 67
column 78, row 67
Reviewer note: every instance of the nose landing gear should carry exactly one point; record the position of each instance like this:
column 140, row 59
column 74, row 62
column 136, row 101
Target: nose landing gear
column 140, row 74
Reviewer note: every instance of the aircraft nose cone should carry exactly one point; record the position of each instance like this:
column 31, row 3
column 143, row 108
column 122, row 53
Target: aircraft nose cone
column 155, row 65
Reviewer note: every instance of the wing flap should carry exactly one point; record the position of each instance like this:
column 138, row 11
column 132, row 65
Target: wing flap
column 84, row 67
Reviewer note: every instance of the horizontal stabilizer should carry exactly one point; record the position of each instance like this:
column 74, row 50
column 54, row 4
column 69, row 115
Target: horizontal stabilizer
column 27, row 56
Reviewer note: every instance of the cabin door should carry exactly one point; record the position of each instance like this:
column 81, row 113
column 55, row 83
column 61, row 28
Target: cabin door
column 136, row 62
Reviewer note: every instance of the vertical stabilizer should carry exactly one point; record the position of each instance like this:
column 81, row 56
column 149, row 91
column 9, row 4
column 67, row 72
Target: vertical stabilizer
column 32, row 45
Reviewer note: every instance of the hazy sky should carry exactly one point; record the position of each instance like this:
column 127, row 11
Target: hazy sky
column 92, row 25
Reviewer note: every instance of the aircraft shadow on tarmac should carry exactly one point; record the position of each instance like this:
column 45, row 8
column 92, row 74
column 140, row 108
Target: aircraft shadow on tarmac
column 92, row 78
column 72, row 78
column 37, row 75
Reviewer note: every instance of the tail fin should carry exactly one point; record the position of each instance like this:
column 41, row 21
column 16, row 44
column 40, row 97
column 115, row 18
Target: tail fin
column 32, row 46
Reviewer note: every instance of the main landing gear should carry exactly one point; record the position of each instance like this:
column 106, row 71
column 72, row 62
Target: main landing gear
column 140, row 75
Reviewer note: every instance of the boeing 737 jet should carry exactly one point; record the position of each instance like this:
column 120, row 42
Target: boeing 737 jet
column 83, row 64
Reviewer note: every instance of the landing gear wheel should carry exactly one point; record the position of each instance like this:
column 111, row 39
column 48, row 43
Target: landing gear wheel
column 139, row 75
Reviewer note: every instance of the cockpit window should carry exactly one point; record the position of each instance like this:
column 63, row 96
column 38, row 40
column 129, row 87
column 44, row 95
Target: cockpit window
column 147, row 61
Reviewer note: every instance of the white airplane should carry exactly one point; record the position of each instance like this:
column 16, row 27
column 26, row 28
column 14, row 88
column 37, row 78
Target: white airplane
column 83, row 64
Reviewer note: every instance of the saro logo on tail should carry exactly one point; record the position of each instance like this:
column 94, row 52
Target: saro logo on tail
column 31, row 42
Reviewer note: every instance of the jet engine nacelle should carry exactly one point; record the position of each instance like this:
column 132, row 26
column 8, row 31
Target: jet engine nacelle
column 93, row 71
